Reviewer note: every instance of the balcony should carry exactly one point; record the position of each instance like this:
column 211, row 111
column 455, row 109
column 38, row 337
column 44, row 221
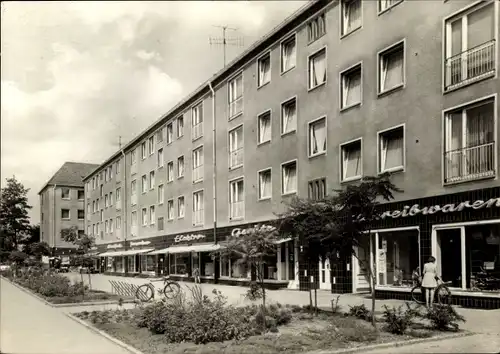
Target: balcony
column 471, row 65
column 197, row 173
column 198, row 217
column 471, row 163
column 197, row 131
column 237, row 210
column 236, row 158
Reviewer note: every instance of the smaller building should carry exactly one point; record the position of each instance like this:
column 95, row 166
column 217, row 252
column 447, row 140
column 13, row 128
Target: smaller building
column 62, row 201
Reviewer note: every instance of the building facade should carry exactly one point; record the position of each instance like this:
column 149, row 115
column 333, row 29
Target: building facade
column 340, row 90
column 62, row 201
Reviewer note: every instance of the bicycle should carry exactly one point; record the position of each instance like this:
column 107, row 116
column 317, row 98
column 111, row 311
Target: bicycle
column 146, row 292
column 442, row 294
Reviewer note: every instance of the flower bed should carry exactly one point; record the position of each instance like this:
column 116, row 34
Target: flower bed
column 203, row 325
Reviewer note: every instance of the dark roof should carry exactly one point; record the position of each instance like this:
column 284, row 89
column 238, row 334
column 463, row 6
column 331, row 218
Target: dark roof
column 71, row 174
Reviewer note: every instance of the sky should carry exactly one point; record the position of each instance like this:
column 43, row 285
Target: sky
column 75, row 76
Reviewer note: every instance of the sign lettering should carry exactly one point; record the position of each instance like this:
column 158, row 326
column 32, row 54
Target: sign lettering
column 263, row 228
column 114, row 246
column 139, row 243
column 187, row 238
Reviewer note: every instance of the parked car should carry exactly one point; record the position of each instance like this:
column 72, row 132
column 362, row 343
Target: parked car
column 87, row 270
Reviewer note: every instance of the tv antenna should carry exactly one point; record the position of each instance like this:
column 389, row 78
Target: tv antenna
column 224, row 41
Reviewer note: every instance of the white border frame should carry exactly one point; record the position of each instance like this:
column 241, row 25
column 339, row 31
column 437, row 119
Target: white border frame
column 315, row 53
column 198, row 103
column 270, row 169
column 151, row 145
column 341, row 160
column 231, row 168
column 311, row 122
column 395, row 169
column 154, row 178
column 169, row 124
column 228, row 81
column 286, row 39
column 163, row 159
column 232, row 180
column 348, row 70
column 380, row 54
column 341, row 19
column 142, row 221
column 177, row 199
column 380, row 11
column 202, row 190
column 173, row 207
column 69, row 214
column 262, row 56
column 192, row 164
column 184, row 159
column 158, row 193
column 270, row 111
column 296, row 192
column 152, row 221
column 177, row 125
column 295, row 97
column 444, row 112
column 69, row 193
column 142, row 184
column 173, row 171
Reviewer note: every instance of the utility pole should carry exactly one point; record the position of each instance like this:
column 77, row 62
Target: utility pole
column 224, row 41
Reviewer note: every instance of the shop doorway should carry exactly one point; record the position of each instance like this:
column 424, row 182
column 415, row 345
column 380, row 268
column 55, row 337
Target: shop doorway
column 449, row 255
column 324, row 273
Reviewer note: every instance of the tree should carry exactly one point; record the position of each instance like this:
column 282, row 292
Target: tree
column 37, row 249
column 338, row 223
column 18, row 257
column 83, row 242
column 14, row 219
column 33, row 235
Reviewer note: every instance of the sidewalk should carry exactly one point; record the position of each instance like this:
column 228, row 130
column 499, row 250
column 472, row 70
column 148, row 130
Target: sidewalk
column 30, row 327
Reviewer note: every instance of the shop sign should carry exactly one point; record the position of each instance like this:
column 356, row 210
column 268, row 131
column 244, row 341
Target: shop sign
column 114, row 246
column 187, row 238
column 262, row 228
column 139, row 243
column 447, row 208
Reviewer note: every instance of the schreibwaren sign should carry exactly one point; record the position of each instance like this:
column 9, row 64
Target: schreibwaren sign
column 447, row 208
column 139, row 243
column 187, row 238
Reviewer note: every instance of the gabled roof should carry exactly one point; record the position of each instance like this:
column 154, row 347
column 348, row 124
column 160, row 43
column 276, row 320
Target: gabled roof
column 71, row 174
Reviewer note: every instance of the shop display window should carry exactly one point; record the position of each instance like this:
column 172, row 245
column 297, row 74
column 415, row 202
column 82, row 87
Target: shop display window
column 180, row 263
column 119, row 264
column 148, row 263
column 483, row 257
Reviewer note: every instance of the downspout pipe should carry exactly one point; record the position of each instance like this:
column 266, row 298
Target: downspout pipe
column 124, row 209
column 214, row 169
column 54, row 220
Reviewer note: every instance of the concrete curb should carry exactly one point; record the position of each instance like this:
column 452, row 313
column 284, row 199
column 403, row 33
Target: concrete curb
column 394, row 344
column 73, row 304
column 104, row 334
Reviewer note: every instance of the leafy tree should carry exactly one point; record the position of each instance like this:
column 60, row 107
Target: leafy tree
column 83, row 242
column 33, row 235
column 18, row 257
column 14, row 219
column 338, row 223
column 37, row 249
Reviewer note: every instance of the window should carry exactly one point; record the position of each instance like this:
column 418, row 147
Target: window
column 470, row 46
column 151, row 144
column 289, row 177
column 152, row 180
column 180, row 127
column 102, row 215
column 106, row 226
column 133, row 192
column 81, row 214
column 118, row 198
column 289, row 116
column 159, row 135
column 110, row 173
column 161, row 223
column 144, row 217
column 384, row 5
column 316, row 28
column 94, row 207
column 470, row 142
column 351, row 16
column 144, row 184
column 198, row 164
column 170, row 209
column 235, row 96
column 391, row 68
column 105, row 175
column 101, row 191
column 152, row 217
column 350, row 90
column 65, row 214
column 81, row 195
column 143, row 150
column 180, row 166
column 118, row 225
column 317, row 137
column 236, row 147
column 264, row 121
column 170, row 171
column 133, row 157
column 317, row 189
column 65, row 193
column 197, row 121
column 89, row 211
column 180, row 207
column 288, row 54
column 317, row 69
column 106, row 202
column 160, row 158
column 236, row 199
column 170, row 133
column 264, row 70
column 117, row 167
column 198, row 208
column 265, row 186
column 391, row 150
column 161, row 194
column 351, row 164
column 133, row 223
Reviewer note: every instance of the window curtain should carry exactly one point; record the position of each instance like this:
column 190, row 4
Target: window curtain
column 479, row 139
column 265, row 185
column 481, row 26
column 352, row 89
column 392, row 70
column 289, row 118
column 265, row 128
column 351, row 162
column 317, row 70
column 264, row 72
column 318, row 137
column 180, row 167
column 352, row 16
column 289, row 55
column 181, row 207
column 392, row 151
column 289, row 179
column 170, row 172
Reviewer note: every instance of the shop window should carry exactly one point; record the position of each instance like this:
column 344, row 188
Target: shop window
column 119, row 265
column 234, row 268
column 131, row 264
column 179, row 263
column 483, row 257
column 207, row 267
column 148, row 263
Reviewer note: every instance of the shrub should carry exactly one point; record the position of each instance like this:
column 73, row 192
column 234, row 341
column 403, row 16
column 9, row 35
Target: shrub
column 348, row 329
column 254, row 292
column 361, row 312
column 397, row 321
column 443, row 317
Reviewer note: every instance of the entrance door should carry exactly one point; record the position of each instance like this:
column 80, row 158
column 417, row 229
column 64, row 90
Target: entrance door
column 324, row 273
column 450, row 257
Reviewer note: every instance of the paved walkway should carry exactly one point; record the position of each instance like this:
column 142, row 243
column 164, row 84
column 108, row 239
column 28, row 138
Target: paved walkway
column 28, row 326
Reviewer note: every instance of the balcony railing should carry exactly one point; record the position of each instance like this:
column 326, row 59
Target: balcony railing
column 471, row 65
column 236, row 158
column 236, row 107
column 237, row 210
column 197, row 130
column 198, row 217
column 470, row 163
column 197, row 173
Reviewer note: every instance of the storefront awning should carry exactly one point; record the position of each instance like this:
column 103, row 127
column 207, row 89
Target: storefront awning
column 124, row 253
column 162, row 251
column 194, row 248
column 283, row 240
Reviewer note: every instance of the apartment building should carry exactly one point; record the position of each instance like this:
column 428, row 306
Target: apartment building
column 62, row 201
column 339, row 90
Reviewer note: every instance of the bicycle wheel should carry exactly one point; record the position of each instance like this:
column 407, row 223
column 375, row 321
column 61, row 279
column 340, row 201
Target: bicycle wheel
column 443, row 295
column 418, row 294
column 171, row 290
column 144, row 293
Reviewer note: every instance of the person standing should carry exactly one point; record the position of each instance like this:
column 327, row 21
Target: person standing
column 196, row 275
column 429, row 280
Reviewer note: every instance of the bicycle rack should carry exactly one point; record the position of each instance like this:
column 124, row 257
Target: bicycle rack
column 123, row 288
